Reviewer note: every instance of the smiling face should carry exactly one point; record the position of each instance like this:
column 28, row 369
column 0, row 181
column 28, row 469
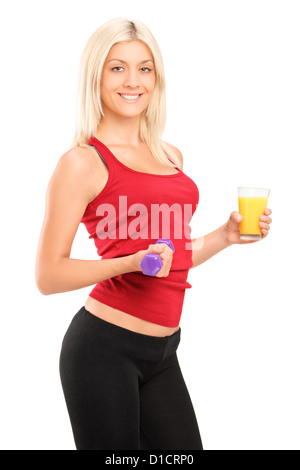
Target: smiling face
column 128, row 79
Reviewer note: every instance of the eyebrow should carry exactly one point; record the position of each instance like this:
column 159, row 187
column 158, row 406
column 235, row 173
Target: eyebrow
column 124, row 62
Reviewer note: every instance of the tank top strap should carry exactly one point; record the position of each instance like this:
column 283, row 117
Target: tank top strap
column 172, row 162
column 108, row 159
column 96, row 145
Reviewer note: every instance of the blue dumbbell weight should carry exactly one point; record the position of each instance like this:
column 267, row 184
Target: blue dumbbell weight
column 152, row 263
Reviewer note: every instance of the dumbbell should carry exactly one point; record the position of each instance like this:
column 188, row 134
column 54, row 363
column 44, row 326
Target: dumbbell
column 152, row 262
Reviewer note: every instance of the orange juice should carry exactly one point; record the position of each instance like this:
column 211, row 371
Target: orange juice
column 251, row 208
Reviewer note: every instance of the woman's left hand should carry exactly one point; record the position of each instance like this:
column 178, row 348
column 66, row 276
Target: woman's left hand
column 232, row 227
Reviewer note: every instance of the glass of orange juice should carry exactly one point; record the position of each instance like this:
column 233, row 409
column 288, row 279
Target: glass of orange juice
column 252, row 204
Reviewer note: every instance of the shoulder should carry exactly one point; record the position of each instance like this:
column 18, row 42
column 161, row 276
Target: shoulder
column 75, row 173
column 177, row 153
column 80, row 164
column 77, row 159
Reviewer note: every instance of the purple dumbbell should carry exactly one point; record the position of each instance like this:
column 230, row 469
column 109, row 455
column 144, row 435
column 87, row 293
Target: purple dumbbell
column 152, row 263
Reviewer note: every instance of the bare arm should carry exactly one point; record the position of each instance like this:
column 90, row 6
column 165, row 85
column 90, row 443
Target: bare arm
column 224, row 236
column 209, row 245
column 68, row 193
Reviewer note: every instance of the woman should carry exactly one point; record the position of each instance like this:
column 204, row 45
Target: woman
column 120, row 374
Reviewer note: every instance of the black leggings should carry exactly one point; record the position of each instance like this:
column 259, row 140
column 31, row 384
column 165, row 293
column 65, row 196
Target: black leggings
column 125, row 390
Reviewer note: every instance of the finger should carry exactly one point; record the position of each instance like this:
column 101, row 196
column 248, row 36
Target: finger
column 166, row 258
column 164, row 271
column 237, row 216
column 156, row 248
column 166, row 248
column 268, row 211
column 265, row 218
column 264, row 226
column 166, row 255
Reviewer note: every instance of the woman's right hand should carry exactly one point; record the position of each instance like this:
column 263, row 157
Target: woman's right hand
column 165, row 253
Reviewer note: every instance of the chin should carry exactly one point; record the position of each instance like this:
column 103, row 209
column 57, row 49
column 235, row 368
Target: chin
column 131, row 114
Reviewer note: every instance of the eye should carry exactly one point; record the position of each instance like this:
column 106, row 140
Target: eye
column 118, row 67
column 143, row 68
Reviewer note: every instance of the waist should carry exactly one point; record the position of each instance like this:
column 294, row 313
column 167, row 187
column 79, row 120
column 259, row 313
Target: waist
column 127, row 321
column 155, row 300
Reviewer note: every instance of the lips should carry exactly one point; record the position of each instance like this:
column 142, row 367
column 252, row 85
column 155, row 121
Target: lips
column 130, row 94
column 130, row 97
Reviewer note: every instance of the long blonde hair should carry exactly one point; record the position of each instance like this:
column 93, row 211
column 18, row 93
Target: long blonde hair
column 89, row 109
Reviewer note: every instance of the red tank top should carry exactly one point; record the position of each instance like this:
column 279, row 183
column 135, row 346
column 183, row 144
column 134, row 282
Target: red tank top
column 132, row 211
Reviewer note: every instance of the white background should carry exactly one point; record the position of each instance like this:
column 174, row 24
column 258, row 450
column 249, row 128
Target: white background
column 232, row 70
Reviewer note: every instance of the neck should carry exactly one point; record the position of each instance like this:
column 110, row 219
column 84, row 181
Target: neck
column 118, row 130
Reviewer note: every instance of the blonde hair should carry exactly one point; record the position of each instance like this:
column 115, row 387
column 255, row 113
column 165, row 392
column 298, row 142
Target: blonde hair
column 89, row 109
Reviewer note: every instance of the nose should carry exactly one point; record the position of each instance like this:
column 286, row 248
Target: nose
column 131, row 79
